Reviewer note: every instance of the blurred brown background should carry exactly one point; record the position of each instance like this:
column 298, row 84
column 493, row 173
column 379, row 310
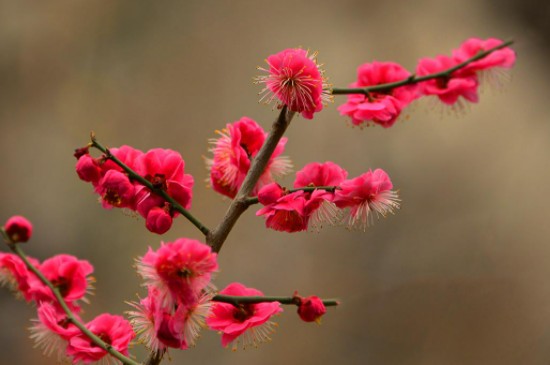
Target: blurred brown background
column 458, row 276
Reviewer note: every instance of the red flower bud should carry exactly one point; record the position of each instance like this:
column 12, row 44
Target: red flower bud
column 311, row 309
column 79, row 152
column 158, row 220
column 18, row 229
column 270, row 193
column 88, row 169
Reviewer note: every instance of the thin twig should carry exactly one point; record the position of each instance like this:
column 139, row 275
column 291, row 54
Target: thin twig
column 309, row 189
column 135, row 176
column 413, row 79
column 236, row 300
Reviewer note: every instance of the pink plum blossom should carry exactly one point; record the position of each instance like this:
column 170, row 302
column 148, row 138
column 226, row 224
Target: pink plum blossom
column 69, row 275
column 319, row 209
column 52, row 330
column 298, row 210
column 146, row 319
column 162, row 326
column 296, row 80
column 116, row 190
column 319, row 206
column 110, row 181
column 364, row 195
column 270, row 193
column 320, row 174
column 159, row 326
column 503, row 58
column 180, row 270
column 382, row 108
column 18, row 229
column 246, row 323
column 288, row 213
column 112, row 329
column 233, row 152
column 15, row 275
column 91, row 169
column 88, row 169
column 169, row 328
column 460, row 84
column 164, row 168
column 128, row 155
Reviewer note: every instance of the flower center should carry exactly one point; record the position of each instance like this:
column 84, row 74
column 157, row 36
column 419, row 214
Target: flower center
column 243, row 146
column 158, row 181
column 104, row 337
column 112, row 198
column 442, row 82
column 184, row 273
column 64, row 323
column 63, row 285
column 243, row 312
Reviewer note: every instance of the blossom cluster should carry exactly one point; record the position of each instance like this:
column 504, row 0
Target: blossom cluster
column 178, row 280
column 53, row 330
column 68, row 274
column 163, row 168
column 181, row 298
column 353, row 202
column 179, row 301
column 383, row 107
column 296, row 80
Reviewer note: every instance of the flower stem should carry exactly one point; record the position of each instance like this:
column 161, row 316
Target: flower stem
column 413, row 79
column 308, row 189
column 135, row 176
column 218, row 235
column 236, row 300
column 14, row 247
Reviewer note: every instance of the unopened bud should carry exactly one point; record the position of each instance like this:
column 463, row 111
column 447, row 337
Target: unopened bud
column 158, row 220
column 311, row 309
column 18, row 229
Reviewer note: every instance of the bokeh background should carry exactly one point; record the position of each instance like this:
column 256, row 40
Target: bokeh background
column 458, row 276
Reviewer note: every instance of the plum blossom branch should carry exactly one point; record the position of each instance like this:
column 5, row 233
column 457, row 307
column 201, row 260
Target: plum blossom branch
column 218, row 235
column 294, row 300
column 14, row 247
column 413, row 79
column 135, row 176
column 307, row 189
